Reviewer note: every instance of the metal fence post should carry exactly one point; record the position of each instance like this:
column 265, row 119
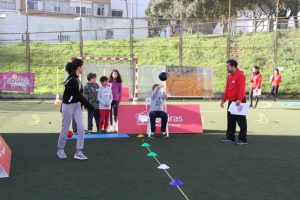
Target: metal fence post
column 80, row 30
column 180, row 35
column 27, row 42
column 276, row 36
column 229, row 30
column 60, row 37
column 132, row 65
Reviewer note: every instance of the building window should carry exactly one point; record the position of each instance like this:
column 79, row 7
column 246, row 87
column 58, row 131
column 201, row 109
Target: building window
column 9, row 5
column 84, row 10
column 59, row 6
column 101, row 9
column 36, row 5
column 117, row 13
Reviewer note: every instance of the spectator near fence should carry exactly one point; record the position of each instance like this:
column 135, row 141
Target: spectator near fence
column 275, row 82
column 255, row 86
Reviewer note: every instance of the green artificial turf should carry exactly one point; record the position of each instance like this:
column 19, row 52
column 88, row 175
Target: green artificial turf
column 265, row 169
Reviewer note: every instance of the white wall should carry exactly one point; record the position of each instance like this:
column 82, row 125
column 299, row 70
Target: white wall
column 14, row 23
column 139, row 7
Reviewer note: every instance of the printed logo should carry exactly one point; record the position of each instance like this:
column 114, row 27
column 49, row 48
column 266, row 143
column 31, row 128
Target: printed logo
column 143, row 117
column 18, row 81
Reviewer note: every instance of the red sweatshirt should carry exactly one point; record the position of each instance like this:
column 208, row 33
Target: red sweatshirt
column 235, row 86
column 255, row 80
column 275, row 80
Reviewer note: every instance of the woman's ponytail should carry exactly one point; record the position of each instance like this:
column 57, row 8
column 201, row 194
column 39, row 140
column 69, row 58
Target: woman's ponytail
column 71, row 67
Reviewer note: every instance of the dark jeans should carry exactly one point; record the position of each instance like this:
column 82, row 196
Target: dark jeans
column 251, row 98
column 164, row 119
column 274, row 91
column 232, row 120
column 93, row 114
column 114, row 111
column 74, row 126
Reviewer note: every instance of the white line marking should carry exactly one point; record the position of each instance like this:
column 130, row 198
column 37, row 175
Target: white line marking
column 169, row 176
column 262, row 119
column 266, row 106
column 36, row 120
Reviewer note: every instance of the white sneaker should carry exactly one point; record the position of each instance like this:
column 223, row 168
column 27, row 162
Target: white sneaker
column 80, row 156
column 152, row 135
column 115, row 127
column 61, row 154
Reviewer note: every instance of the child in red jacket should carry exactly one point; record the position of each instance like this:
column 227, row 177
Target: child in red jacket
column 275, row 82
column 255, row 85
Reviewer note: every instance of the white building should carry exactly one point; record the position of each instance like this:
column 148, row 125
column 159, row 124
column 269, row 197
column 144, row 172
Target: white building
column 139, row 7
column 55, row 20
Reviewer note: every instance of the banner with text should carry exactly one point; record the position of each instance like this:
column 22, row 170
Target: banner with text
column 183, row 118
column 20, row 82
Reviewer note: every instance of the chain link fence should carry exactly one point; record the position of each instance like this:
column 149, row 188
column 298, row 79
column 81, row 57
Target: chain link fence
column 154, row 41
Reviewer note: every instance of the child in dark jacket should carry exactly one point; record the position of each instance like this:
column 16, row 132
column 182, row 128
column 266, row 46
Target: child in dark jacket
column 90, row 92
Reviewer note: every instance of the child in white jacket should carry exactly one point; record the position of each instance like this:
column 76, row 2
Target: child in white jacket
column 105, row 98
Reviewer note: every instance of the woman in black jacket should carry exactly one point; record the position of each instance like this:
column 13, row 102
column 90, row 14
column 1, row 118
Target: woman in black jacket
column 71, row 108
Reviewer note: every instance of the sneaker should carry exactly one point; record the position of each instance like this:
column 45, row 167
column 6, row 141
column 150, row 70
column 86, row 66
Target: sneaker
column 164, row 135
column 74, row 132
column 80, row 156
column 89, row 132
column 105, row 131
column 61, row 154
column 115, row 127
column 240, row 142
column 152, row 135
column 227, row 140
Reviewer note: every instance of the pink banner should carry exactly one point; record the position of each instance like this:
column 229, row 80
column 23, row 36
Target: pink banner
column 125, row 94
column 21, row 82
column 183, row 118
column 5, row 158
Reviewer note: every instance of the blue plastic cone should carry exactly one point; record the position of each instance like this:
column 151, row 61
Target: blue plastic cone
column 176, row 182
column 145, row 144
column 152, row 154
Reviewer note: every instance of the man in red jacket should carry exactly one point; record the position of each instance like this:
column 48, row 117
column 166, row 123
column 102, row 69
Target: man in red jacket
column 235, row 91
column 255, row 85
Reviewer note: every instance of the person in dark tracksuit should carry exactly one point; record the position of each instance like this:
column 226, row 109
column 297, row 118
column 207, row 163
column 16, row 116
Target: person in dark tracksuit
column 71, row 108
column 157, row 110
column 235, row 91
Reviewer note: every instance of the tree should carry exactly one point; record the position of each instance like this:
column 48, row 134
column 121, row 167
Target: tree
column 294, row 7
column 207, row 12
column 287, row 9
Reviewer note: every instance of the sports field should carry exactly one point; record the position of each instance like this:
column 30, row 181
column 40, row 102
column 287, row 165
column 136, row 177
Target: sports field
column 267, row 168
